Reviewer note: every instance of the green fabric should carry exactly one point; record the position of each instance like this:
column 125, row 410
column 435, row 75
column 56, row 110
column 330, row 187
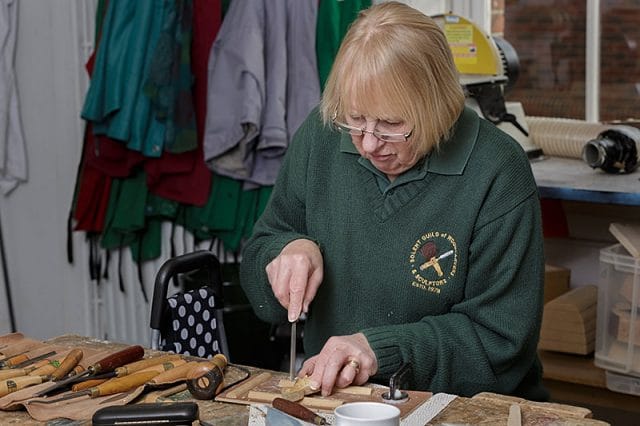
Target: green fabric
column 170, row 80
column 134, row 218
column 114, row 101
column 229, row 214
column 334, row 18
column 475, row 327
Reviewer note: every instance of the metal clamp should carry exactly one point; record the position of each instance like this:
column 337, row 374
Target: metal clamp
column 397, row 379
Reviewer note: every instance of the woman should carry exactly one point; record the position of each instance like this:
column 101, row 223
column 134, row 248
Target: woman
column 406, row 227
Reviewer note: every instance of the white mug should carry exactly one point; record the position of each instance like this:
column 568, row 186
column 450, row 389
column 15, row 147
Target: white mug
column 367, row 413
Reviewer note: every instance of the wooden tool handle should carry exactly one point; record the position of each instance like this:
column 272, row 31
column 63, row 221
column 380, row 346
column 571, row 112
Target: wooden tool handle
column 144, row 363
column 45, row 370
column 175, row 374
column 298, row 411
column 87, row 384
column 118, row 359
column 13, row 372
column 122, row 384
column 11, row 385
column 218, row 361
column 165, row 366
column 68, row 363
column 15, row 360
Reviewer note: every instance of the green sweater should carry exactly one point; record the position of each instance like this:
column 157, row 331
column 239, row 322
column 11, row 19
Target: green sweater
column 442, row 269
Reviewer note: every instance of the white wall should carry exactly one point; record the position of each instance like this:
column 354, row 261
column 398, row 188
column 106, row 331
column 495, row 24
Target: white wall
column 48, row 294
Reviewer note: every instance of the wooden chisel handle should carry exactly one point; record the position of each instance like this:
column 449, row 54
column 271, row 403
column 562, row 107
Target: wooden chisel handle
column 13, row 372
column 175, row 374
column 118, row 359
column 144, row 363
column 45, row 370
column 68, row 363
column 14, row 360
column 122, row 384
column 165, row 366
column 87, row 384
column 11, row 385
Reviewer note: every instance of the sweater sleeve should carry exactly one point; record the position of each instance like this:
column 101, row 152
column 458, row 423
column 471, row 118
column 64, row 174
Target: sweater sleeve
column 282, row 221
column 487, row 341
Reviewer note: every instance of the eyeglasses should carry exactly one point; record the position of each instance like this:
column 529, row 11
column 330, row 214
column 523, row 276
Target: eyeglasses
column 385, row 137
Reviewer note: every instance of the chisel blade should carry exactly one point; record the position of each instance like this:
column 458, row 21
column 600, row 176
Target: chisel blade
column 292, row 350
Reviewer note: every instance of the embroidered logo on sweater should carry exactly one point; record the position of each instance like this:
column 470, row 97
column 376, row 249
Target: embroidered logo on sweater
column 433, row 259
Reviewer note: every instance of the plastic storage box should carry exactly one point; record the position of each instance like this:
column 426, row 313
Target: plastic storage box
column 618, row 319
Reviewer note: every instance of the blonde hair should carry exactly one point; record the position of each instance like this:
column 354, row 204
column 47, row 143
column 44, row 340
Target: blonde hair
column 395, row 62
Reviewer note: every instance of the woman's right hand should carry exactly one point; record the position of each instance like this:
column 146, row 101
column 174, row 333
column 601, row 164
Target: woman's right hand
column 295, row 275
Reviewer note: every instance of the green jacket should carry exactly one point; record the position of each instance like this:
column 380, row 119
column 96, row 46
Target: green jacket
column 442, row 269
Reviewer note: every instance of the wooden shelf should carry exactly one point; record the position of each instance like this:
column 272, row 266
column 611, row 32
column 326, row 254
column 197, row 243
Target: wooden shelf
column 573, row 179
column 570, row 368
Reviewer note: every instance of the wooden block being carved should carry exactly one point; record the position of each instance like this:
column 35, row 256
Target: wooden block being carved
column 301, row 388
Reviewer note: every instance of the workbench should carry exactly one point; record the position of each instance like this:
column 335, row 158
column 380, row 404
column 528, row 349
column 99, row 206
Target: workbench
column 484, row 408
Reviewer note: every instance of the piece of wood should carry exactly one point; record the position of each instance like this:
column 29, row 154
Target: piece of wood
column 309, row 402
column 569, row 322
column 243, row 388
column 354, row 390
column 515, row 416
column 567, row 347
column 628, row 234
column 301, row 388
column 271, row 387
column 571, row 368
column 556, row 281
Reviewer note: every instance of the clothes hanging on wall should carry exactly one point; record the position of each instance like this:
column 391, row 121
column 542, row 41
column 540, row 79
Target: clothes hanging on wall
column 334, row 18
column 13, row 161
column 262, row 83
column 141, row 105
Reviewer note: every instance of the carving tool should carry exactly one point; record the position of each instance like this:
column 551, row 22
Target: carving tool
column 292, row 350
column 23, row 360
column 174, row 375
column 298, row 411
column 110, row 387
column 17, row 372
column 15, row 384
column 37, row 376
column 105, row 365
column 205, row 380
column 159, row 364
column 68, row 363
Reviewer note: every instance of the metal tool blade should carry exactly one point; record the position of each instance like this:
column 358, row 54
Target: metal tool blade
column 34, row 360
column 276, row 417
column 292, row 350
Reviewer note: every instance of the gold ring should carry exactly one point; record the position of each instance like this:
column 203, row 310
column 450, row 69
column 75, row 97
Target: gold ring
column 355, row 364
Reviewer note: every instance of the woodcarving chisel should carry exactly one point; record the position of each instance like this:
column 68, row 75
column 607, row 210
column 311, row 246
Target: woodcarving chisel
column 107, row 364
column 23, row 360
column 110, row 387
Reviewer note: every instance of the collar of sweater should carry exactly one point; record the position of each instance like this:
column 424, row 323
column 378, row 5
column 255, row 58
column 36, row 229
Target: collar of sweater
column 452, row 155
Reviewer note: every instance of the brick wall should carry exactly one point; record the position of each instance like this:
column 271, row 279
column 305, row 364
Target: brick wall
column 550, row 41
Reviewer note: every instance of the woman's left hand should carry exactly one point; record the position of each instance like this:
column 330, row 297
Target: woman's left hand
column 344, row 360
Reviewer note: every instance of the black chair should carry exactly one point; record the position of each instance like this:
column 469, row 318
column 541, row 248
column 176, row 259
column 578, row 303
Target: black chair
column 189, row 322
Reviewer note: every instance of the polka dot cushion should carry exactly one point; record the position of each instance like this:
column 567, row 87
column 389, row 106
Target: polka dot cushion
column 191, row 327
